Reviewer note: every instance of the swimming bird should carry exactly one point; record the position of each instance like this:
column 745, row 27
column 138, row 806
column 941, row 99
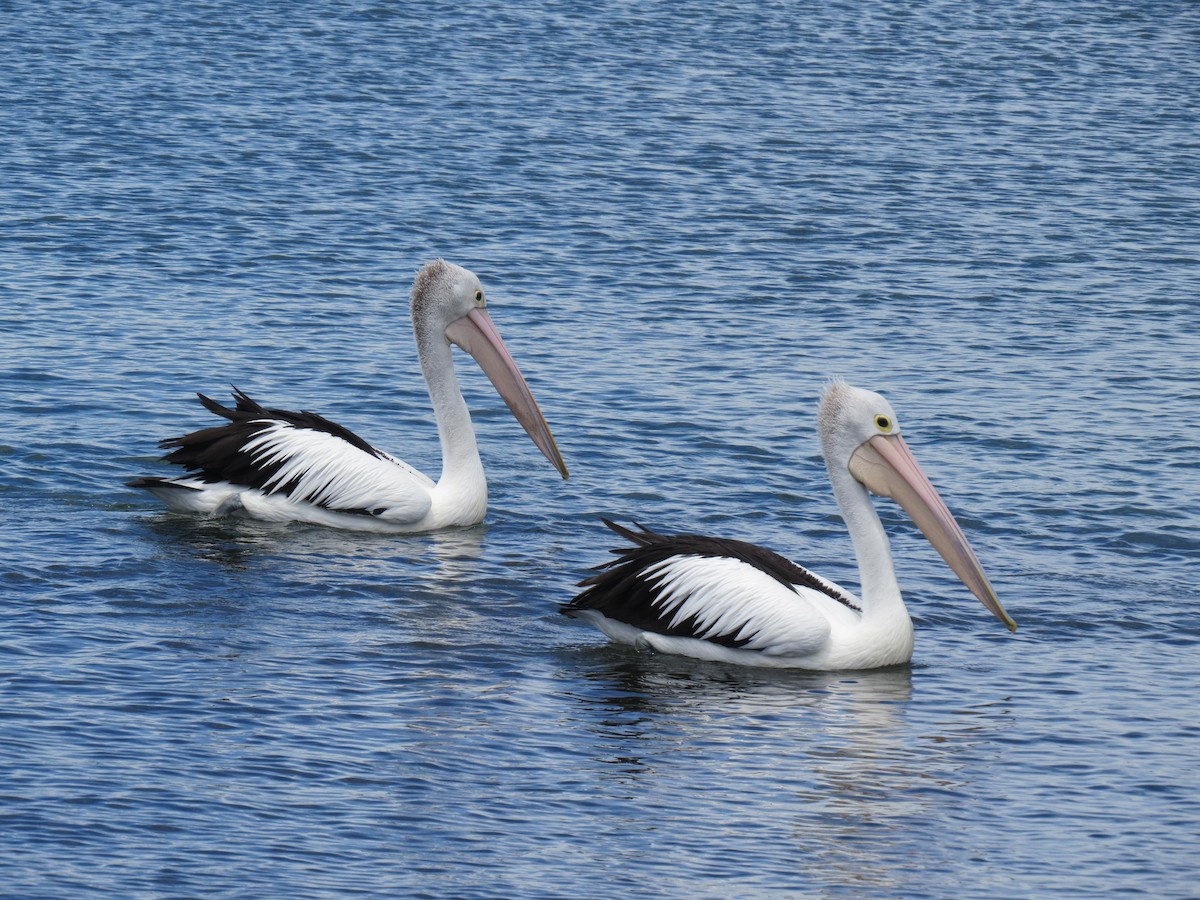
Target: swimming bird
column 736, row 602
column 286, row 466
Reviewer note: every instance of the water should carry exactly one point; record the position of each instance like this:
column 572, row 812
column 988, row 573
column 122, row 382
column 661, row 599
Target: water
column 687, row 216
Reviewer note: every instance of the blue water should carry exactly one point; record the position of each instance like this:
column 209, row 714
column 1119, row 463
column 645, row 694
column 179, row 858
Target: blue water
column 687, row 217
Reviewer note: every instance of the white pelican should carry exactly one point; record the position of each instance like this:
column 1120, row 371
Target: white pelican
column 287, row 466
column 736, row 602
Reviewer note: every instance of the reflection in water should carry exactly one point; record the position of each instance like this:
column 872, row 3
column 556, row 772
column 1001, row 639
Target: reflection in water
column 430, row 588
column 223, row 541
column 456, row 552
column 242, row 544
column 842, row 761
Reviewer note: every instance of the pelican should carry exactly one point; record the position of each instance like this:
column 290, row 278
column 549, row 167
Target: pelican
column 285, row 466
column 736, row 602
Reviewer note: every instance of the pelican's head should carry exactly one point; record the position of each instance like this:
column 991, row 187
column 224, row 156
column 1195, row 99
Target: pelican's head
column 449, row 304
column 443, row 293
column 861, row 434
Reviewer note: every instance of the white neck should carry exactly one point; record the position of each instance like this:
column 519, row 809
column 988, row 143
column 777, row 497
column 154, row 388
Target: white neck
column 880, row 592
column 461, row 493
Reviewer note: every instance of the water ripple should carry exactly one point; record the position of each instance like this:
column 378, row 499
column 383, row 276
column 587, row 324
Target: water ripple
column 688, row 217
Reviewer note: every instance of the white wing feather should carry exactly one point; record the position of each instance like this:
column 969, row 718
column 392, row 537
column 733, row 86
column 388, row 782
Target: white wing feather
column 728, row 596
column 322, row 468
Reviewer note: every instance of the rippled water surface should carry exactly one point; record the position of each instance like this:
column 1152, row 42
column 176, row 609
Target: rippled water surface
column 687, row 216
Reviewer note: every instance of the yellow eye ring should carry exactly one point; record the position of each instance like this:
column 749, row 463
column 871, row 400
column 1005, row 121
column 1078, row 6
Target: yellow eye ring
column 883, row 423
column 479, row 298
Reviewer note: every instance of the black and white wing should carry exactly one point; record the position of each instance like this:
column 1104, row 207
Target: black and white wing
column 300, row 456
column 725, row 592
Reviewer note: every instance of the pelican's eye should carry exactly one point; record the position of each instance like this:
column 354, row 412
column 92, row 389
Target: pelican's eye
column 479, row 301
column 883, row 423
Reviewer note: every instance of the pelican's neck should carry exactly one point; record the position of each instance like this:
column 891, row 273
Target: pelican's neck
column 880, row 592
column 462, row 488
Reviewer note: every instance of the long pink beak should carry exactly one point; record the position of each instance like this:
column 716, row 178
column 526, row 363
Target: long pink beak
column 886, row 466
column 476, row 334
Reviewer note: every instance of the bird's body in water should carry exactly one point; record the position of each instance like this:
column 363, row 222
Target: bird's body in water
column 733, row 601
column 278, row 465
